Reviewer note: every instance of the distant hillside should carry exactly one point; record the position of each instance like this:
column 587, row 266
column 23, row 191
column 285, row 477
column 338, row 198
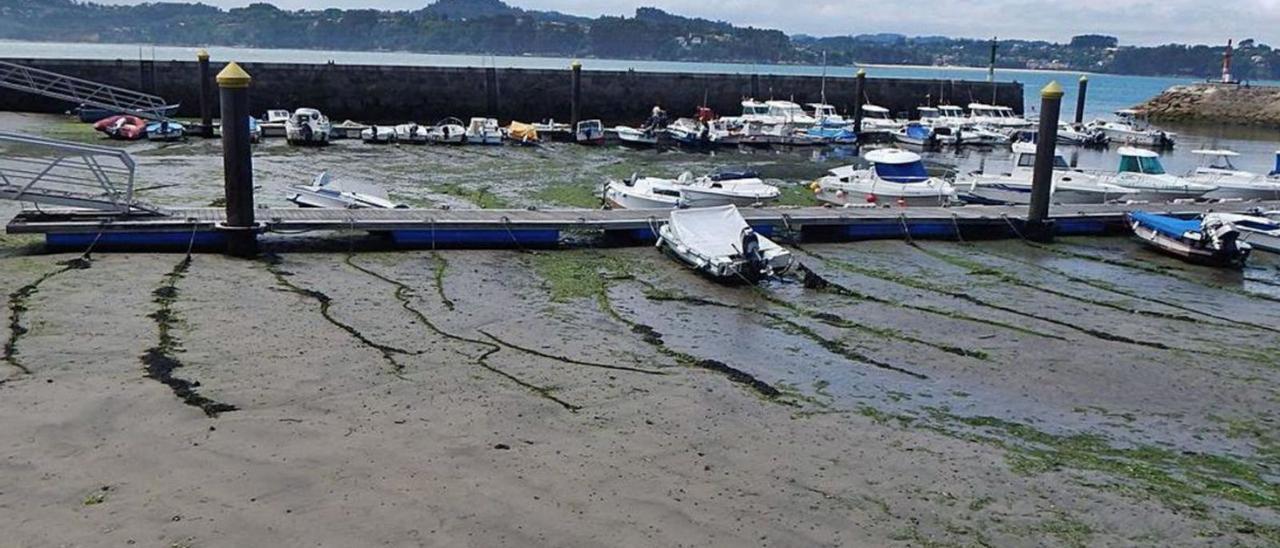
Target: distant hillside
column 494, row 27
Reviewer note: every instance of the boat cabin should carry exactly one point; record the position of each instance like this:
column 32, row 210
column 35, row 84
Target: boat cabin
column 875, row 111
column 928, row 113
column 950, row 112
column 278, row 116
column 751, row 107
column 307, row 115
column 897, row 166
column 992, row 112
column 787, row 110
column 1138, row 160
column 1216, row 160
column 821, row 110
column 1024, row 157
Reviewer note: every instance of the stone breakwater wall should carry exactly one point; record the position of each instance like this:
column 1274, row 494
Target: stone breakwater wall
column 425, row 94
column 1217, row 104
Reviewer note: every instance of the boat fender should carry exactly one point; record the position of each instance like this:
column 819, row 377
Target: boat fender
column 871, row 198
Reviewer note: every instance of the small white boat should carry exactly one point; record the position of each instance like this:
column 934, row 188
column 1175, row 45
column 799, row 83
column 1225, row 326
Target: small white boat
column 169, row 131
column 347, row 129
column 688, row 191
column 997, row 116
column 1260, row 232
column 876, row 120
column 411, row 133
column 718, row 242
column 1131, row 128
column 690, row 132
column 1080, row 135
column 1069, row 186
column 642, row 193
column 1211, row 240
column 1142, row 173
column 589, row 132
column 636, row 136
column 324, row 193
column 896, row 177
column 1217, row 169
column 273, row 123
column 917, row 135
column 307, row 126
column 448, row 131
column 825, row 115
column 378, row 134
column 484, row 131
column 789, row 113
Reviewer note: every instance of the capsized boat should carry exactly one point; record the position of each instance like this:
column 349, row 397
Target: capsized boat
column 123, row 126
column 1217, row 169
column 323, row 192
column 378, row 134
column 484, row 131
column 718, row 242
column 448, row 131
column 1211, row 240
column 589, row 132
column 522, row 133
column 411, row 133
column 896, row 177
column 165, row 130
column 1142, row 173
column 1069, row 186
column 307, row 126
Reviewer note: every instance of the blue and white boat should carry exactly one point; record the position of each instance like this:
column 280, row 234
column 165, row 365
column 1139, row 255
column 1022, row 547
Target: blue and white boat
column 1068, row 186
column 255, row 130
column 166, row 131
column 896, row 177
column 1211, row 240
column 833, row 135
column 915, row 134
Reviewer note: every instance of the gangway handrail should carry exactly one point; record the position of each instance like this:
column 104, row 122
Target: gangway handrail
column 65, row 173
column 82, row 92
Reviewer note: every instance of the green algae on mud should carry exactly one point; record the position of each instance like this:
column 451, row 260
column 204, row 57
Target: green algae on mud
column 18, row 307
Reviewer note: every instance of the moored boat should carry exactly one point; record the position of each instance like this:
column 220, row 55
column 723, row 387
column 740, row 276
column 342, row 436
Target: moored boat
column 589, row 132
column 1259, row 231
column 1142, row 173
column 717, row 242
column 1217, row 169
column 307, row 126
column 641, row 137
column 896, row 177
column 484, row 131
column 741, row 189
column 165, row 130
column 324, row 193
column 522, row 134
column 916, row 134
column 1210, row 240
column 1069, row 186
column 411, row 133
column 1131, row 128
column 448, row 131
column 376, row 134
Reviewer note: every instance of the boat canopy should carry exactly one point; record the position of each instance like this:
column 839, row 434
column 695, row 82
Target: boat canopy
column 1218, row 159
column 898, row 166
column 1138, row 160
column 951, row 110
column 876, row 109
column 916, row 130
column 1028, row 159
column 712, row 232
column 751, row 106
column 927, row 112
column 1169, row 226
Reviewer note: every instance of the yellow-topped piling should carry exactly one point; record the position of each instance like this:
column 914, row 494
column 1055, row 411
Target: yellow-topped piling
column 1052, row 91
column 232, row 76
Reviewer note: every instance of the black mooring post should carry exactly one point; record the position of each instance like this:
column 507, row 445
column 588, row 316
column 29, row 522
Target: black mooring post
column 1039, row 226
column 755, row 86
column 575, row 102
column 237, row 162
column 491, row 91
column 859, row 92
column 206, row 102
column 1080, row 95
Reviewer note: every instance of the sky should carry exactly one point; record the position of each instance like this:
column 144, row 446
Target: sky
column 1142, row 22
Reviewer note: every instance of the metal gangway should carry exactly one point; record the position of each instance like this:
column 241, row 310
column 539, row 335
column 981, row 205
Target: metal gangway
column 68, row 174
column 82, row 92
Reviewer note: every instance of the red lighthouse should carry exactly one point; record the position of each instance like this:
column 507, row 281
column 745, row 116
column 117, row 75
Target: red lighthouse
column 1226, row 64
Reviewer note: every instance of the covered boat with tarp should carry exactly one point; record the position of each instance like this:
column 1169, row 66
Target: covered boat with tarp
column 1211, row 240
column 718, row 242
column 522, row 133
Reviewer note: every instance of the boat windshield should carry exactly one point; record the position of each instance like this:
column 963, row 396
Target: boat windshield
column 913, row 172
column 1029, row 160
column 876, row 114
column 1138, row 164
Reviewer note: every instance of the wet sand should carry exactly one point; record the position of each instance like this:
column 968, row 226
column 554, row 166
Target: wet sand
column 941, row 394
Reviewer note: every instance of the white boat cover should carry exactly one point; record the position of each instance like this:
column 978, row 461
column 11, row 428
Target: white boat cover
column 712, row 232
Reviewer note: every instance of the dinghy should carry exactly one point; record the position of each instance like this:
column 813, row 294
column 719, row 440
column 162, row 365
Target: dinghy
column 166, row 131
column 1212, row 240
column 589, row 132
column 324, row 193
column 123, row 126
column 448, row 131
column 896, row 177
column 718, row 242
column 411, row 133
column 378, row 134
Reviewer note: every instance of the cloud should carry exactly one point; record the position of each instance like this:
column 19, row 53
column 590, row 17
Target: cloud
column 1133, row 21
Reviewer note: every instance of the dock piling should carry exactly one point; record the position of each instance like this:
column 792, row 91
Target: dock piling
column 206, row 108
column 237, row 162
column 1080, row 96
column 1039, row 227
column 859, row 92
column 575, row 102
column 491, row 91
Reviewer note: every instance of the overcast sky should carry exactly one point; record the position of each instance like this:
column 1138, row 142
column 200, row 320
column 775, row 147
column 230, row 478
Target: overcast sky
column 1133, row 21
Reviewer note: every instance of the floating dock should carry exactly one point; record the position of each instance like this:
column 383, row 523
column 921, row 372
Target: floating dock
column 515, row 228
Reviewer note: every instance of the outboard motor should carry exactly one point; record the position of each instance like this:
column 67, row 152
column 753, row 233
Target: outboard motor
column 751, row 254
column 1276, row 172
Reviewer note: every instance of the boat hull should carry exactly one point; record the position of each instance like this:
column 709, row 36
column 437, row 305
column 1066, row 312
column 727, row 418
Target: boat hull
column 1182, row 249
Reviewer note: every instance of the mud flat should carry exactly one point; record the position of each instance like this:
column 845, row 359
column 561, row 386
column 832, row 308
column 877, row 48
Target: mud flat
column 1217, row 104
column 937, row 394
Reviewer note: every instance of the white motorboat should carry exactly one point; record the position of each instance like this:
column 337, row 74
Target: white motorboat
column 411, row 133
column 347, row 129
column 1069, row 186
column 484, row 131
column 917, row 135
column 1131, row 128
column 324, row 193
column 997, row 116
column 1142, row 173
column 895, row 177
column 644, row 137
column 690, row 132
column 1217, row 169
column 688, row 191
column 307, row 126
column 1211, row 239
column 718, row 242
column 756, row 111
column 787, row 112
column 877, row 120
column 378, row 134
column 1080, row 135
column 274, row 122
column 165, row 130
column 448, row 131
column 589, row 132
column 952, row 115
column 1259, row 231
column 826, row 116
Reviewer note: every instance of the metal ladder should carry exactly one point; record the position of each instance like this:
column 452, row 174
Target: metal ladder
column 62, row 173
column 82, row 92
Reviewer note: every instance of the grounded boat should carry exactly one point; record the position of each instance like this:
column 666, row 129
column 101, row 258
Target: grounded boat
column 1217, row 169
column 448, row 131
column 1211, row 240
column 636, row 136
column 741, row 189
column 307, row 126
column 589, row 132
column 484, row 131
column 1131, row 128
column 411, row 133
column 1069, row 186
column 125, row 127
column 378, row 134
column 1259, row 231
column 916, row 134
column 718, row 242
column 690, row 132
column 896, row 177
column 522, row 133
column 166, row 131
column 323, row 193
column 347, row 129
column 1142, row 173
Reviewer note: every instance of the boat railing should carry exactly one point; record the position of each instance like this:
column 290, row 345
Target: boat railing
column 68, row 174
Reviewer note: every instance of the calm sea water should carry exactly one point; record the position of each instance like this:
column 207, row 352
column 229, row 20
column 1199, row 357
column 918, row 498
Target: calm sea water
column 1107, row 92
